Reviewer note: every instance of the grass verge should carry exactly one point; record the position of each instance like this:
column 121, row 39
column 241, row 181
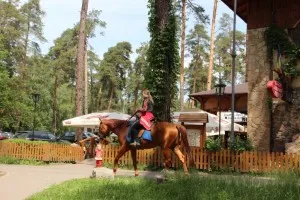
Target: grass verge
column 16, row 161
column 175, row 187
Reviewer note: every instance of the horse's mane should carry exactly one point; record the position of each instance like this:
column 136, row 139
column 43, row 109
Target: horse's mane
column 115, row 122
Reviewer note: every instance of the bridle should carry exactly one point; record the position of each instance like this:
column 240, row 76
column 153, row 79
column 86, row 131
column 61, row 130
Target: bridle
column 117, row 126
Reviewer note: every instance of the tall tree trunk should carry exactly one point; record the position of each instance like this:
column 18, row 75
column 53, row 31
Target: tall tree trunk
column 86, row 103
column 92, row 97
column 54, row 105
column 135, row 99
column 24, row 59
column 161, row 10
column 110, row 97
column 183, row 16
column 212, row 39
column 99, row 97
column 194, row 88
column 80, row 64
column 26, row 42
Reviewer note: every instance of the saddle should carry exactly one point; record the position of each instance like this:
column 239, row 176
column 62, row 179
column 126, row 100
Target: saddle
column 146, row 135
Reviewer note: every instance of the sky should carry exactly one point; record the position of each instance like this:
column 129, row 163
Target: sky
column 127, row 20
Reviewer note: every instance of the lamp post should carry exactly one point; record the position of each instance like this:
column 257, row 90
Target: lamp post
column 220, row 89
column 233, row 55
column 35, row 98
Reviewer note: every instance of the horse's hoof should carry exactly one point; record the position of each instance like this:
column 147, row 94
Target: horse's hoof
column 136, row 174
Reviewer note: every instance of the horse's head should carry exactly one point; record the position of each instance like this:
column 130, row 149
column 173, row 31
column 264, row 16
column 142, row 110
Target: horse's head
column 104, row 129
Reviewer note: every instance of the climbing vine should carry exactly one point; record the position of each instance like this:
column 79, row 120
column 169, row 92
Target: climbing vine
column 277, row 38
column 161, row 75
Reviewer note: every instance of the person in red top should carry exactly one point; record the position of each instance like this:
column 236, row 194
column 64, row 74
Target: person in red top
column 144, row 122
column 99, row 154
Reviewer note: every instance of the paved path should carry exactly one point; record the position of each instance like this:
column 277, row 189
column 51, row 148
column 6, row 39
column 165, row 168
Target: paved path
column 20, row 181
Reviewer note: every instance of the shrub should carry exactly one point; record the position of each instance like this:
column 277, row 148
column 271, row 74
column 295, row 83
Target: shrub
column 213, row 144
column 240, row 145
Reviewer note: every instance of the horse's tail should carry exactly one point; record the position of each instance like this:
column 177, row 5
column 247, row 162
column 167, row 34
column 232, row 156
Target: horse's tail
column 183, row 135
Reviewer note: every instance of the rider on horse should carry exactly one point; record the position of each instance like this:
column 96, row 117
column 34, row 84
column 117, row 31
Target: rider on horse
column 144, row 122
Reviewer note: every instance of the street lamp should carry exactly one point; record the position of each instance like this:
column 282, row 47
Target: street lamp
column 220, row 89
column 35, row 98
column 233, row 55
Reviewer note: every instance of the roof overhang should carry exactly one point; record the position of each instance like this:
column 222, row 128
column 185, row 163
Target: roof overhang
column 241, row 10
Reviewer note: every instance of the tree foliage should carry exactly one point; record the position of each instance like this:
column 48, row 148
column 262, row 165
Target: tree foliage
column 113, row 71
column 198, row 44
column 136, row 78
column 223, row 49
column 115, row 81
column 52, row 75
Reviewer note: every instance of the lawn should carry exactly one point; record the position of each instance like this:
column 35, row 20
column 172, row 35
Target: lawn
column 181, row 188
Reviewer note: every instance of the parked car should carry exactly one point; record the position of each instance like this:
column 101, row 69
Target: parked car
column 70, row 136
column 5, row 135
column 92, row 135
column 39, row 135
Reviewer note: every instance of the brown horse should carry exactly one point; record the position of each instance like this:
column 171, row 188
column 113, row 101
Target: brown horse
column 166, row 135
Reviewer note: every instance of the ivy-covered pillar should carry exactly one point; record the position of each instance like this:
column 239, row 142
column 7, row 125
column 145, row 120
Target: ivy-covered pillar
column 161, row 76
column 259, row 103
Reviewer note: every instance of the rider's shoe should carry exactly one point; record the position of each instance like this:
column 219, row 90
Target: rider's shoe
column 136, row 142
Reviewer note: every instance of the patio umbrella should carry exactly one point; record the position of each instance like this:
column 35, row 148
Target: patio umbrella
column 92, row 120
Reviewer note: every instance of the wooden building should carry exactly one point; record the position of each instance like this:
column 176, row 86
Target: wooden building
column 264, row 128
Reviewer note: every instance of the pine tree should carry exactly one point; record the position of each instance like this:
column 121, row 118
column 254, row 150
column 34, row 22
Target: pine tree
column 80, row 63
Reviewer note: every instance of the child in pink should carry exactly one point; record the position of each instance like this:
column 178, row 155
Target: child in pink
column 99, row 154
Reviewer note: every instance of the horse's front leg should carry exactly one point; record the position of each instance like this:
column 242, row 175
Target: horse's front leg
column 122, row 151
column 181, row 158
column 167, row 156
column 133, row 156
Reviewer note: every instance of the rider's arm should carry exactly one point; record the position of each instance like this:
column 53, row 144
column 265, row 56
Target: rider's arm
column 145, row 106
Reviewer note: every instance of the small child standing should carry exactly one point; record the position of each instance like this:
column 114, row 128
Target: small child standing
column 99, row 153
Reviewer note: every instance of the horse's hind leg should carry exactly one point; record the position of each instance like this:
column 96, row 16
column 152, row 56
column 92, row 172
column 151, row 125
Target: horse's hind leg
column 122, row 151
column 133, row 156
column 167, row 156
column 181, row 158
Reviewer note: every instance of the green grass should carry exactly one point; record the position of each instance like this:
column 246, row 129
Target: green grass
column 175, row 187
column 23, row 141
column 130, row 167
column 16, row 161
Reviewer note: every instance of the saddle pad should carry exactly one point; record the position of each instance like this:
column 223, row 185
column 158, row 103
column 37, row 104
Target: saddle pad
column 147, row 135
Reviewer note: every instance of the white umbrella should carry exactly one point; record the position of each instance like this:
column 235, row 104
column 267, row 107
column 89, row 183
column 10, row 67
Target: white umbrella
column 92, row 120
column 212, row 127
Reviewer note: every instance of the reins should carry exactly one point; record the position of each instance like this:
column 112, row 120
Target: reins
column 121, row 123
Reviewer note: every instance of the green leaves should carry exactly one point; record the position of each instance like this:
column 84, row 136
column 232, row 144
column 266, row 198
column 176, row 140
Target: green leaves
column 240, row 145
column 113, row 71
column 213, row 144
column 223, row 50
column 162, row 74
column 277, row 38
column 197, row 45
